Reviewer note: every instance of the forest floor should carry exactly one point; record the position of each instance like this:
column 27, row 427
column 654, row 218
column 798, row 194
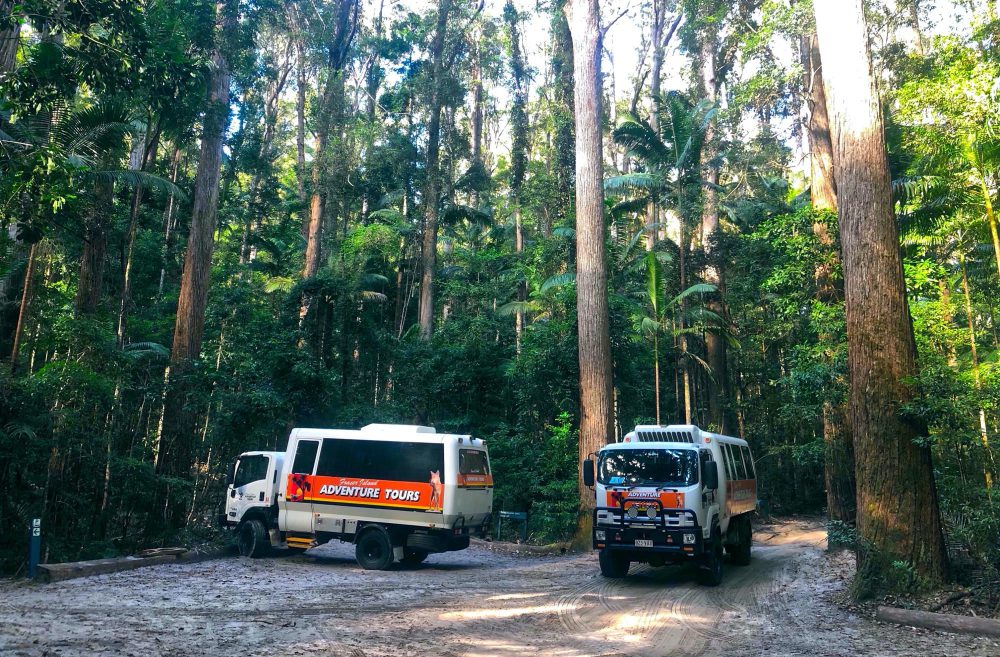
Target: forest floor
column 491, row 599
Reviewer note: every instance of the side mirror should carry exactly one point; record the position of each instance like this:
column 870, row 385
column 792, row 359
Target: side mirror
column 231, row 474
column 710, row 475
column 588, row 473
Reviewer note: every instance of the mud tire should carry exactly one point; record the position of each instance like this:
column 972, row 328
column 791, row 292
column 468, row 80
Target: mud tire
column 710, row 569
column 252, row 539
column 614, row 565
column 373, row 549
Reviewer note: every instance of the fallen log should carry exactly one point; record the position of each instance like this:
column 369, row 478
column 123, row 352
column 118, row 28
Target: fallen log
column 57, row 572
column 942, row 622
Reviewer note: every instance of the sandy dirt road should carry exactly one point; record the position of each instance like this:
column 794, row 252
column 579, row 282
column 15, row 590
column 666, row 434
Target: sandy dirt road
column 480, row 602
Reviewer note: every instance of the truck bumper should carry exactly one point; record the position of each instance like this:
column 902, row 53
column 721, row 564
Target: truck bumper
column 649, row 540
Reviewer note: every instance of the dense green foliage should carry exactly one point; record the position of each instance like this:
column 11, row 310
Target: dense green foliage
column 92, row 91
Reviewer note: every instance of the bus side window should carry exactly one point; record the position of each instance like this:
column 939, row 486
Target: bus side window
column 748, row 459
column 305, row 457
column 741, row 471
column 727, row 456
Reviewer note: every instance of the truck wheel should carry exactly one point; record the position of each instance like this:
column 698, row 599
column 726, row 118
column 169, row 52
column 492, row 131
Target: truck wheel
column 741, row 551
column 614, row 564
column 252, row 539
column 413, row 557
column 710, row 570
column 373, row 550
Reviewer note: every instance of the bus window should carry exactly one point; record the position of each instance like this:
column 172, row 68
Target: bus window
column 473, row 461
column 305, row 457
column 741, row 471
column 730, row 466
column 748, row 459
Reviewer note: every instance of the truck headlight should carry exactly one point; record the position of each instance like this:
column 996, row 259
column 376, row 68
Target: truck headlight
column 689, row 539
column 600, row 535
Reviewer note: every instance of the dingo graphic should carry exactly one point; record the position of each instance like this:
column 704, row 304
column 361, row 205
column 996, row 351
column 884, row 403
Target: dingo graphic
column 298, row 487
column 437, row 491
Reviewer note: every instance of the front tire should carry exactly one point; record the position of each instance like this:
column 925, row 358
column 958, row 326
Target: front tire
column 614, row 565
column 710, row 571
column 374, row 550
column 252, row 539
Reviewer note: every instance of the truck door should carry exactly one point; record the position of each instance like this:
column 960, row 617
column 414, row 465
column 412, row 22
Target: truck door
column 251, row 485
column 298, row 511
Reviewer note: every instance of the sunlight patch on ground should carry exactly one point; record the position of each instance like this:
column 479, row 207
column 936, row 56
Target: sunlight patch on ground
column 495, row 647
column 517, row 596
column 481, row 614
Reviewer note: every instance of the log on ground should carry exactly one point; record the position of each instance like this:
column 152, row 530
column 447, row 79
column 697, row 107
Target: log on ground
column 942, row 622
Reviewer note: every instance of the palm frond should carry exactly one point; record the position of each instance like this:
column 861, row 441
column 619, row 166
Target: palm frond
column 558, row 280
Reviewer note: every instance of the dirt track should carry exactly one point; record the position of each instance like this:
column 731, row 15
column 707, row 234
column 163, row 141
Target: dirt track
column 474, row 603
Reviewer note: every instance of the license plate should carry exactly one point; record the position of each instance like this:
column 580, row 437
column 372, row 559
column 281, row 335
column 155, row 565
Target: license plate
column 643, row 542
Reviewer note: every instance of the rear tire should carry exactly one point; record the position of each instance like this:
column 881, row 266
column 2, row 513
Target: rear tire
column 614, row 565
column 413, row 557
column 710, row 570
column 252, row 539
column 374, row 550
column 741, row 551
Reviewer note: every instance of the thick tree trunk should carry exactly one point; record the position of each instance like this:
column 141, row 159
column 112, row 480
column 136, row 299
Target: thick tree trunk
column 95, row 249
column 432, row 190
column 176, row 449
column 596, row 413
column 897, row 506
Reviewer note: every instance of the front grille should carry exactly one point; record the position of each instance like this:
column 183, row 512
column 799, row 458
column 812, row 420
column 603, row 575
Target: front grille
column 665, row 436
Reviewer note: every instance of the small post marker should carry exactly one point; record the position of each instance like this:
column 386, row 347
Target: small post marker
column 35, row 547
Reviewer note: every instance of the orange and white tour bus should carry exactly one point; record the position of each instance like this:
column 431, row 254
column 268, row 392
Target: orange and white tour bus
column 398, row 492
column 673, row 493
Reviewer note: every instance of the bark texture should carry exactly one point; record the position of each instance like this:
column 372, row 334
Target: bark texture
column 10, row 36
column 596, row 419
column 898, row 515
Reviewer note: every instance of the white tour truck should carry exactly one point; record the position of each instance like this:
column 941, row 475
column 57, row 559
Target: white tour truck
column 673, row 494
column 398, row 492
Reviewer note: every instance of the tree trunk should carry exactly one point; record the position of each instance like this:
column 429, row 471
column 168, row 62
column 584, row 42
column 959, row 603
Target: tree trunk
column 10, row 38
column 432, row 190
column 519, row 151
column 838, row 468
column 976, row 377
column 175, row 456
column 139, row 161
column 95, row 248
column 22, row 314
column 596, row 415
column 300, row 129
column 715, row 345
column 898, row 515
column 563, row 112
column 822, row 185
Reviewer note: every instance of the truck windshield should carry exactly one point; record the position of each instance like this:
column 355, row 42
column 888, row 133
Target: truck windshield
column 645, row 467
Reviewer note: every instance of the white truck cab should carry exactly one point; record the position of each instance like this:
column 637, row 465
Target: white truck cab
column 398, row 492
column 672, row 493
